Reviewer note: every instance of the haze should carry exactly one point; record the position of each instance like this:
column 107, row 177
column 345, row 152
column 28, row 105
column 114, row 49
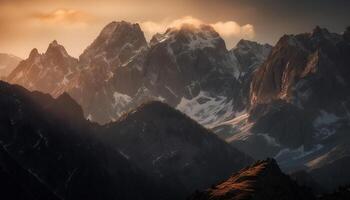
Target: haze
column 26, row 24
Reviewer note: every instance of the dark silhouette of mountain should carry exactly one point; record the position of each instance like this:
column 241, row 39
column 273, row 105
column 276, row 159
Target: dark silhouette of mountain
column 263, row 180
column 154, row 152
column 173, row 147
column 331, row 169
column 304, row 178
column 7, row 64
column 18, row 184
column 50, row 139
column 342, row 193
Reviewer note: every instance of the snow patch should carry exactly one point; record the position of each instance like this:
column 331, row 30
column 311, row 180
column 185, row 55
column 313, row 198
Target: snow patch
column 171, row 91
column 296, row 154
column 270, row 140
column 121, row 99
column 89, row 117
column 325, row 118
column 201, row 43
column 325, row 125
column 124, row 155
column 205, row 109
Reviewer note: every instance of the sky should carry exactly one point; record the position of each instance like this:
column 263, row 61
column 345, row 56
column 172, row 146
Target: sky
column 28, row 24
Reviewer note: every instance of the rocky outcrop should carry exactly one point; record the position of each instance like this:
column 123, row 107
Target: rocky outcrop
column 263, row 180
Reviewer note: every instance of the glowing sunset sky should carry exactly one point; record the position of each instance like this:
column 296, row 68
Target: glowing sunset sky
column 25, row 24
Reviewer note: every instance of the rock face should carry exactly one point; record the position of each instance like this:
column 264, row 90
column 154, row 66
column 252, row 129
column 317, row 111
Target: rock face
column 190, row 69
column 93, row 86
column 178, row 64
column 301, row 65
column 299, row 106
column 250, row 55
column 187, row 67
column 48, row 140
column 7, row 64
column 173, row 147
column 263, row 180
column 45, row 72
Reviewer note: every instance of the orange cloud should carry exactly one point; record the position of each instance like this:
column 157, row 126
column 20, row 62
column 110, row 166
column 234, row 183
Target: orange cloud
column 66, row 16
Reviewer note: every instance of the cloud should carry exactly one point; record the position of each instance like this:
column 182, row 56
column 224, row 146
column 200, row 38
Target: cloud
column 231, row 28
column 231, row 31
column 63, row 16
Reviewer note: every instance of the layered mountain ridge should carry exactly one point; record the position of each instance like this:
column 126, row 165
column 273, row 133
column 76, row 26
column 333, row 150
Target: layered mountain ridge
column 290, row 102
column 187, row 67
column 74, row 158
column 173, row 147
column 63, row 153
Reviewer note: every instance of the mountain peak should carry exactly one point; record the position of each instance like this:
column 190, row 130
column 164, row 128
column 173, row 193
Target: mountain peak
column 114, row 25
column 191, row 29
column 191, row 37
column 259, row 180
column 67, row 106
column 117, row 42
column 54, row 43
column 171, row 145
column 56, row 49
column 251, row 45
column 34, row 53
column 250, row 54
column 320, row 32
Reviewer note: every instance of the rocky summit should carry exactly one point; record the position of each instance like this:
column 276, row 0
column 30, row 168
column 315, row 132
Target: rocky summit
column 262, row 180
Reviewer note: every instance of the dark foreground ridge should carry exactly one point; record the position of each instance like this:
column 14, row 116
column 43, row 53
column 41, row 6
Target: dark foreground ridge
column 57, row 152
column 173, row 147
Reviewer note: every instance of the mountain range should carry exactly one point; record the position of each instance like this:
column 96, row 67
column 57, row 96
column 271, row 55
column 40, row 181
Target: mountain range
column 149, row 110
column 51, row 141
column 189, row 68
column 298, row 110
